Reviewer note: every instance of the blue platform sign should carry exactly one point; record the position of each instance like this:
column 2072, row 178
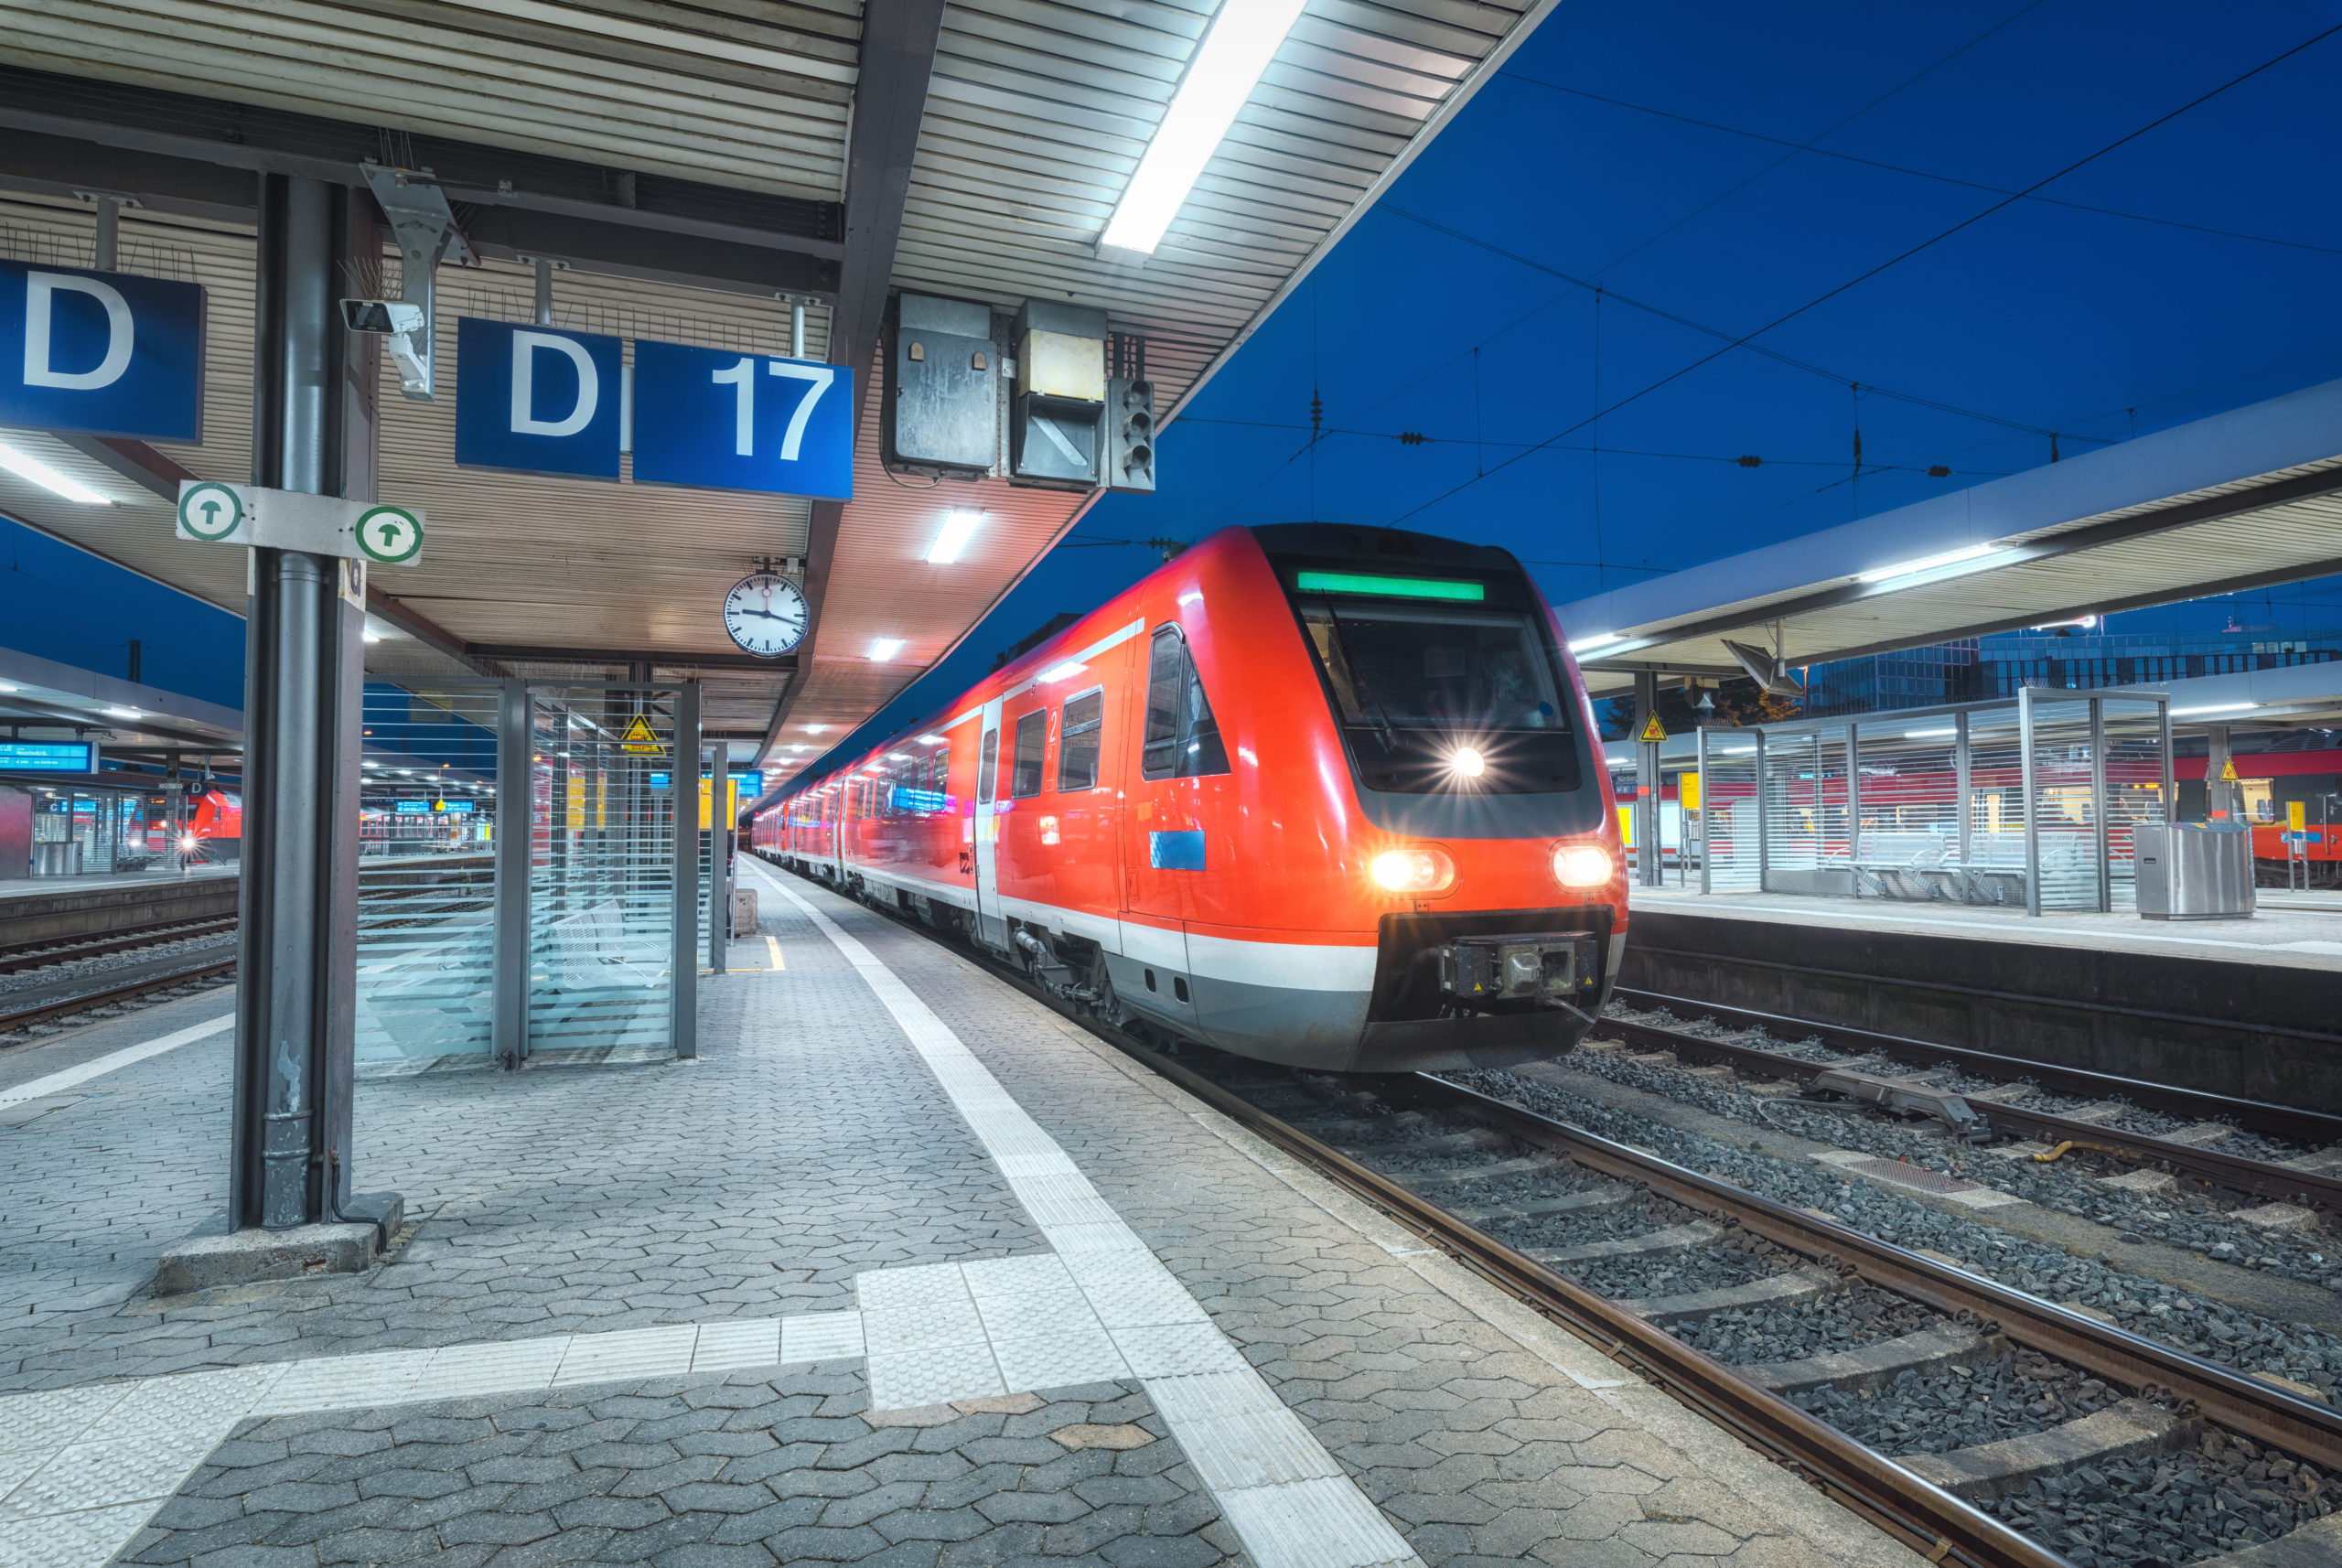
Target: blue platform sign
column 106, row 353
column 720, row 419
column 47, row 757
column 538, row 400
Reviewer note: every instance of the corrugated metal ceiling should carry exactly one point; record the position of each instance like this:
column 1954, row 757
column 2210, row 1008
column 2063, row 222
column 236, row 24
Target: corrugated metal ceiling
column 1037, row 112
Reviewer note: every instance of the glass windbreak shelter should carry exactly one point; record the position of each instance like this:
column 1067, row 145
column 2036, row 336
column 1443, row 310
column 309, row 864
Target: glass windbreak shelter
column 524, row 884
column 2024, row 804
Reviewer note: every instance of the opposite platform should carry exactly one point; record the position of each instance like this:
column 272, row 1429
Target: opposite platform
column 906, row 1269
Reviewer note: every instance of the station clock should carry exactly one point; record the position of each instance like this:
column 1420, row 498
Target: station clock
column 766, row 613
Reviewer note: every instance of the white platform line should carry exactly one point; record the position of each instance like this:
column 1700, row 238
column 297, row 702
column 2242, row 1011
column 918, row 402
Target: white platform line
column 97, row 1067
column 1302, row 1510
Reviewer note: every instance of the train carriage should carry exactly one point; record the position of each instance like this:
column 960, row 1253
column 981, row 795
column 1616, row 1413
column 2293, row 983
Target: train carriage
column 1315, row 795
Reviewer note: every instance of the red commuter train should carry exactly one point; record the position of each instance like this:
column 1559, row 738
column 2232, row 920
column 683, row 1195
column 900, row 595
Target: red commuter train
column 1315, row 795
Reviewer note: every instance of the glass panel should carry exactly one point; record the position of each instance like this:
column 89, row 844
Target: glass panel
column 2134, row 796
column 1200, row 751
column 1910, row 811
column 2064, row 804
column 1412, row 686
column 602, row 870
column 986, row 761
column 426, row 874
column 1032, row 743
column 1728, row 801
column 1165, row 670
column 1808, row 849
column 1078, row 740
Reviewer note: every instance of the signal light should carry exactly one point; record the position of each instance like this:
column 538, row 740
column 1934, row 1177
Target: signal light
column 1413, row 871
column 1581, row 865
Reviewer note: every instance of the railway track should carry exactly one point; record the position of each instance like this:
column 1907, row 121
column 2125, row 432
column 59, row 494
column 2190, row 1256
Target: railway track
column 50, row 1009
column 1564, row 1220
column 17, row 957
column 2268, row 1180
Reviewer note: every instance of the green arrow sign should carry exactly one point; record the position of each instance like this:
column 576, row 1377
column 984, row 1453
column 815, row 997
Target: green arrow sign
column 389, row 534
column 210, row 511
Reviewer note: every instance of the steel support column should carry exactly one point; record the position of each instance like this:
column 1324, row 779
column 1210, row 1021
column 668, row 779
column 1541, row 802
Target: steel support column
column 2101, row 834
column 1963, row 786
column 718, row 922
column 1700, row 762
column 297, row 936
column 2032, row 807
column 1647, row 850
column 685, row 1002
column 508, row 1024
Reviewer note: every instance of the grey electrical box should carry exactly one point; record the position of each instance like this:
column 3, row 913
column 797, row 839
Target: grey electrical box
column 942, row 406
column 1129, row 434
column 1057, row 424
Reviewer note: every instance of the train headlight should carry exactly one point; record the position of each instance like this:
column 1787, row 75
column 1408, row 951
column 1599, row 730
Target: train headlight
column 1581, row 865
column 1467, row 763
column 1413, row 871
column 186, row 844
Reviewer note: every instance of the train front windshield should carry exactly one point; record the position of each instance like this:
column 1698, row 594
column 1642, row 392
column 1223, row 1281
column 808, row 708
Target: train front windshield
column 1438, row 699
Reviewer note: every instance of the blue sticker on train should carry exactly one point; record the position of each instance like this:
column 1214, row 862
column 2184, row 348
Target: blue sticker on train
column 1176, row 850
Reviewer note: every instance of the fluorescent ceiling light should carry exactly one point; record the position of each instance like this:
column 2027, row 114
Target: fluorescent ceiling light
column 931, row 740
column 1227, row 65
column 1599, row 640
column 121, row 713
column 2216, row 708
column 882, row 649
column 29, row 467
column 812, row 729
column 1925, row 734
column 374, row 636
column 898, row 756
column 1929, row 563
column 1060, row 672
column 959, row 527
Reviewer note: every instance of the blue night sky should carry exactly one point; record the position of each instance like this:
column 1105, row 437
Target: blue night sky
column 1654, row 150
column 1725, row 164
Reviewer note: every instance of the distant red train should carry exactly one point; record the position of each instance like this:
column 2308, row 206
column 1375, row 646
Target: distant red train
column 1322, row 796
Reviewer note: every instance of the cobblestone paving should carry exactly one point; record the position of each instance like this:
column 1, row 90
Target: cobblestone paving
column 701, row 1472
column 812, row 1145
column 756, row 1183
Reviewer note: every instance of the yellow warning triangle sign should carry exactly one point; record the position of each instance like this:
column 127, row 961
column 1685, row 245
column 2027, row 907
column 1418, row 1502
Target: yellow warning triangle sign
column 2227, row 771
column 1653, row 732
column 637, row 737
column 438, row 805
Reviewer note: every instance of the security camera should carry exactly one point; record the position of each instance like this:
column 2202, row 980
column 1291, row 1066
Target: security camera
column 407, row 327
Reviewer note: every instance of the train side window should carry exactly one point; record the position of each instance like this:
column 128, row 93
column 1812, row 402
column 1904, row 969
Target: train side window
column 1077, row 738
column 1025, row 770
column 1182, row 736
column 987, row 761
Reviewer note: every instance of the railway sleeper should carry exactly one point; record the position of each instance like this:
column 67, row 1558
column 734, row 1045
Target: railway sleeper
column 1426, row 1145
column 1673, row 1239
column 2317, row 1544
column 1435, row 1181
column 2127, row 1430
column 1593, row 1200
column 1873, row 1366
column 1786, row 1289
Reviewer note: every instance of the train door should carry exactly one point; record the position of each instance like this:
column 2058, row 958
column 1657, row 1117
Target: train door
column 991, row 928
column 1162, row 845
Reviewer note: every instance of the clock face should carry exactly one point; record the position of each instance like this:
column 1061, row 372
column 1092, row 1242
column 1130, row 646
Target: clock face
column 764, row 614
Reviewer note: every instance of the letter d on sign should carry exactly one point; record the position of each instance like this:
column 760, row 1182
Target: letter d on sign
column 40, row 304
column 524, row 359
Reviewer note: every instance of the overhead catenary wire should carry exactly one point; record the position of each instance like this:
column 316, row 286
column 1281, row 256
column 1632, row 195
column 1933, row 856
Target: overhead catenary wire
column 1820, row 151
column 1640, row 247
column 1897, row 260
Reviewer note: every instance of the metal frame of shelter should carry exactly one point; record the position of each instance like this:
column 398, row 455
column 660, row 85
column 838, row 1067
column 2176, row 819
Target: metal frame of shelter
column 1913, row 805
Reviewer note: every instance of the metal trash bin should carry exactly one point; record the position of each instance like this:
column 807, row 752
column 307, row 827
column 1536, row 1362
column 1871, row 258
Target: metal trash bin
column 2194, row 871
column 744, row 911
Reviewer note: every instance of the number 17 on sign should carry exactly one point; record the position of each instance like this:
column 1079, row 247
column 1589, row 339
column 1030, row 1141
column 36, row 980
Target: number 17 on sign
column 731, row 420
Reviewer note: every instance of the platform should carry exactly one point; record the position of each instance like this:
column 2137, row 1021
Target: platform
column 2244, row 1006
column 905, row 1269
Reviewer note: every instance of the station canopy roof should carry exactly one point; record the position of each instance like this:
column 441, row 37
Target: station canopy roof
column 689, row 168
column 2236, row 501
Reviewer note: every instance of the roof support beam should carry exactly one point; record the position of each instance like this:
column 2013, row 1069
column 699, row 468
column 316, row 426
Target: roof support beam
column 530, row 653
column 197, row 156
column 898, row 39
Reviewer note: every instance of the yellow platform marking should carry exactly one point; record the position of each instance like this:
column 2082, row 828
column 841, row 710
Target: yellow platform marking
column 774, row 943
